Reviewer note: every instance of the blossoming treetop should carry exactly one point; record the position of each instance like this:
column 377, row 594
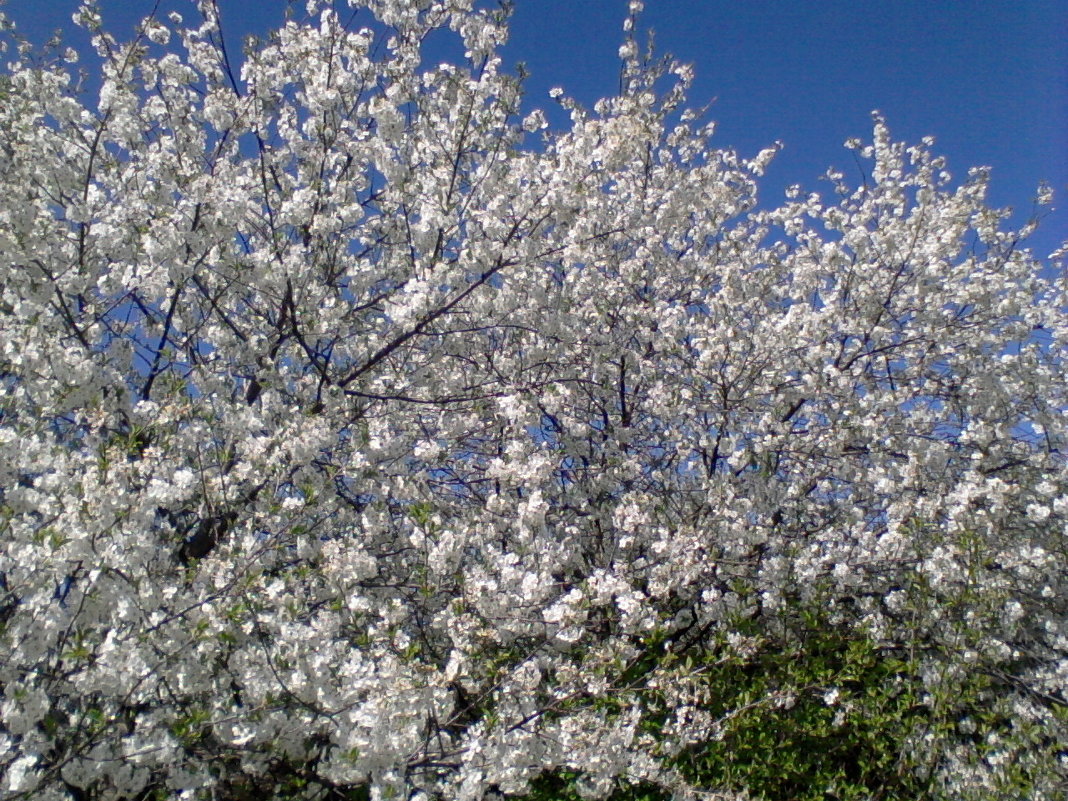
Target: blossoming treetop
column 362, row 434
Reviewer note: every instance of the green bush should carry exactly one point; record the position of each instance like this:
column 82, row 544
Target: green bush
column 823, row 713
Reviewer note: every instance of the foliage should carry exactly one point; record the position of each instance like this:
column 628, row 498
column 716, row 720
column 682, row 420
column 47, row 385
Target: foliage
column 362, row 437
column 818, row 713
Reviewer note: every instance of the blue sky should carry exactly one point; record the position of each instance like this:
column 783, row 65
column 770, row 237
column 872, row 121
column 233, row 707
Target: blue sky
column 987, row 78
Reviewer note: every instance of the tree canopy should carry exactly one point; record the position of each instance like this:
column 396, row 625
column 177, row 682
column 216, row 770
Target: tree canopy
column 362, row 435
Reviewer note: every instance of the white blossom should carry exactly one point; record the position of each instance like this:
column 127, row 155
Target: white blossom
column 361, row 429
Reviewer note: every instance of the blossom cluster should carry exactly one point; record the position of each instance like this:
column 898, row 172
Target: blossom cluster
column 360, row 429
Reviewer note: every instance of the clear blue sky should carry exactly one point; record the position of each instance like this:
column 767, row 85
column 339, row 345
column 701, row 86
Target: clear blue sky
column 987, row 78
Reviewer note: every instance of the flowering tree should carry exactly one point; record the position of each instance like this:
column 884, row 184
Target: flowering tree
column 363, row 437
